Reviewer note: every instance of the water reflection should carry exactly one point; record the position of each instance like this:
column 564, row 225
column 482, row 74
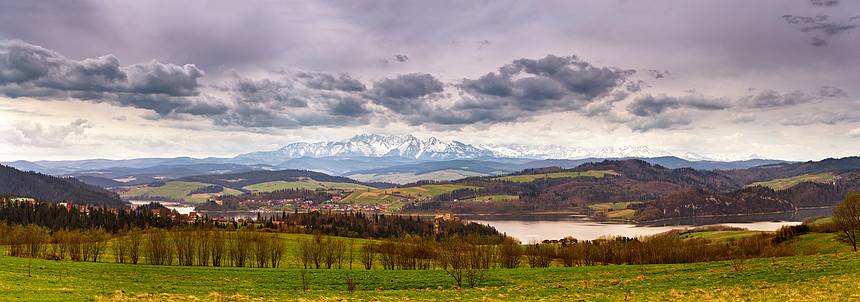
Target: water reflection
column 530, row 228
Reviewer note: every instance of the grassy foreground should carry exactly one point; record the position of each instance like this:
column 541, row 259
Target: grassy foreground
column 823, row 277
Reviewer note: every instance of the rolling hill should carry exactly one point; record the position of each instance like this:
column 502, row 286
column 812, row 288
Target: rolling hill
column 186, row 189
column 658, row 192
column 437, row 171
column 45, row 187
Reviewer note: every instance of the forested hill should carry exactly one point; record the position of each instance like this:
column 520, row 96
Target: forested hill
column 239, row 180
column 45, row 187
column 785, row 170
column 664, row 193
column 750, row 200
column 641, row 171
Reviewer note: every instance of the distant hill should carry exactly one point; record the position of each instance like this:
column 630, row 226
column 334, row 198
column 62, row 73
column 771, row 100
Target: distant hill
column 786, row 170
column 195, row 189
column 240, row 180
column 664, row 192
column 671, row 162
column 55, row 189
column 751, row 200
column 440, row 170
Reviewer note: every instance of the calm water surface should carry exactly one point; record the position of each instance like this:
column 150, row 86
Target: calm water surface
column 529, row 228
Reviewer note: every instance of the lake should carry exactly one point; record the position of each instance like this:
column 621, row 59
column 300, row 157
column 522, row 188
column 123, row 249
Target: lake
column 182, row 209
column 537, row 227
column 530, row 228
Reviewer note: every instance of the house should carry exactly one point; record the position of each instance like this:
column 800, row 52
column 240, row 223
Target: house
column 445, row 216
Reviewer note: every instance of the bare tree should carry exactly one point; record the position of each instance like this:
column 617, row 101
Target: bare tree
column 135, row 241
column 35, row 237
column 278, row 249
column 454, row 254
column 185, row 243
column 367, row 255
column 120, row 247
column 846, row 216
column 510, row 255
column 204, row 243
column 540, row 255
column 158, row 251
column 218, row 247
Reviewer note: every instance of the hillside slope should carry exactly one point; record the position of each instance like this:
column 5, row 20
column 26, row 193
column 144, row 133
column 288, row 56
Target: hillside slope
column 55, row 189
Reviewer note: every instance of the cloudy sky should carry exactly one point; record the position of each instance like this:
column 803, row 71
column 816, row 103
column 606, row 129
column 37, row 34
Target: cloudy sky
column 126, row 79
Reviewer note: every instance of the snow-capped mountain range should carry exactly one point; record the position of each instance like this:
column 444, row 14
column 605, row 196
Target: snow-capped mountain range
column 408, row 146
column 374, row 145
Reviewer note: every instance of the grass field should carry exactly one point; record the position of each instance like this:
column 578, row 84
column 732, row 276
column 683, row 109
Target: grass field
column 722, row 235
column 391, row 195
column 612, row 205
column 171, row 189
column 784, row 183
column 533, row 177
column 617, row 210
column 203, row 197
column 823, row 277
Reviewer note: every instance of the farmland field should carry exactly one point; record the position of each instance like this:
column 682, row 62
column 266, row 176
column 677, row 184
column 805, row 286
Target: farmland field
column 171, row 189
column 722, row 235
column 785, row 183
column 394, row 194
column 612, row 205
column 616, row 210
column 533, row 177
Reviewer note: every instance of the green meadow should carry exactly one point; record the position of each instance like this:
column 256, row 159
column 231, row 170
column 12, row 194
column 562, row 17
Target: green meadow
column 616, row 210
column 822, row 277
column 383, row 196
column 785, row 183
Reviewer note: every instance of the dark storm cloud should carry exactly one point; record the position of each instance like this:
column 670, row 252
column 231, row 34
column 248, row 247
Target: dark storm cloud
column 492, row 84
column 658, row 74
column 635, row 86
column 580, row 78
column 296, row 100
column 526, row 88
column 325, row 81
column 277, row 94
column 166, row 105
column 820, row 27
column 831, row 92
column 405, row 93
column 652, row 105
column 649, row 105
column 769, row 99
column 28, row 70
column 401, row 58
column 157, row 78
column 351, row 107
column 824, row 2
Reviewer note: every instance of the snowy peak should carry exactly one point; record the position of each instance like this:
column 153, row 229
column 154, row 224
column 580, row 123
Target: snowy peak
column 409, row 146
column 374, row 145
column 560, row 152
